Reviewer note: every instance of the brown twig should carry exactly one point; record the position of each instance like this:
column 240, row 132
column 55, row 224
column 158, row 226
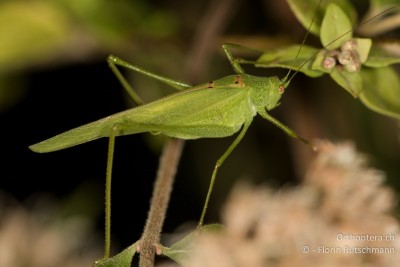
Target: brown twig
column 159, row 202
column 209, row 29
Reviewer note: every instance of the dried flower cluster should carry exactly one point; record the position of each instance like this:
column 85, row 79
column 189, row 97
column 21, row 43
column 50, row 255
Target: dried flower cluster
column 342, row 215
column 37, row 239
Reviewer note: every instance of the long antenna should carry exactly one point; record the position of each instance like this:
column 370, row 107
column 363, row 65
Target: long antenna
column 302, row 44
column 337, row 38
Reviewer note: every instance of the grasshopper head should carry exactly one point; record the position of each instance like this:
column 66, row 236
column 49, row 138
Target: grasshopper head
column 275, row 90
column 267, row 91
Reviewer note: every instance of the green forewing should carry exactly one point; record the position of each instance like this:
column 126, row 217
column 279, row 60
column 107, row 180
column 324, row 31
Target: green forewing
column 193, row 113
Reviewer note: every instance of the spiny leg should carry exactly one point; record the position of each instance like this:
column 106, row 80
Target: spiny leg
column 283, row 127
column 235, row 65
column 220, row 161
column 110, row 156
column 235, row 62
column 114, row 61
column 131, row 92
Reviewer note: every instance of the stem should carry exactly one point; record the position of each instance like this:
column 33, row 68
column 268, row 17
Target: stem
column 202, row 47
column 110, row 156
column 159, row 202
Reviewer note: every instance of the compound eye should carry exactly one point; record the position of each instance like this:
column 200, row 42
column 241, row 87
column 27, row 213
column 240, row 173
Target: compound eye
column 281, row 89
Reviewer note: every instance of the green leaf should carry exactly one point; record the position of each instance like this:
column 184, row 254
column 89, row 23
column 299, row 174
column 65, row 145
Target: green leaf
column 363, row 47
column 351, row 81
column 334, row 25
column 30, row 31
column 381, row 57
column 381, row 91
column 286, row 58
column 122, row 259
column 179, row 251
column 305, row 10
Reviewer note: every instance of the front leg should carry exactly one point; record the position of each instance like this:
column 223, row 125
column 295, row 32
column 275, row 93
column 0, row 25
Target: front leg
column 282, row 126
column 235, row 65
column 114, row 61
column 235, row 62
column 220, row 161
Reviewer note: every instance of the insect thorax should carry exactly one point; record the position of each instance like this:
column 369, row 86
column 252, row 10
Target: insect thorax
column 265, row 91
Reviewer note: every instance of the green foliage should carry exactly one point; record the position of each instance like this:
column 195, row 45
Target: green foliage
column 34, row 32
column 381, row 90
column 334, row 24
column 178, row 251
column 41, row 32
column 311, row 12
column 26, row 33
column 283, row 58
column 358, row 65
column 379, row 57
column 122, row 259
